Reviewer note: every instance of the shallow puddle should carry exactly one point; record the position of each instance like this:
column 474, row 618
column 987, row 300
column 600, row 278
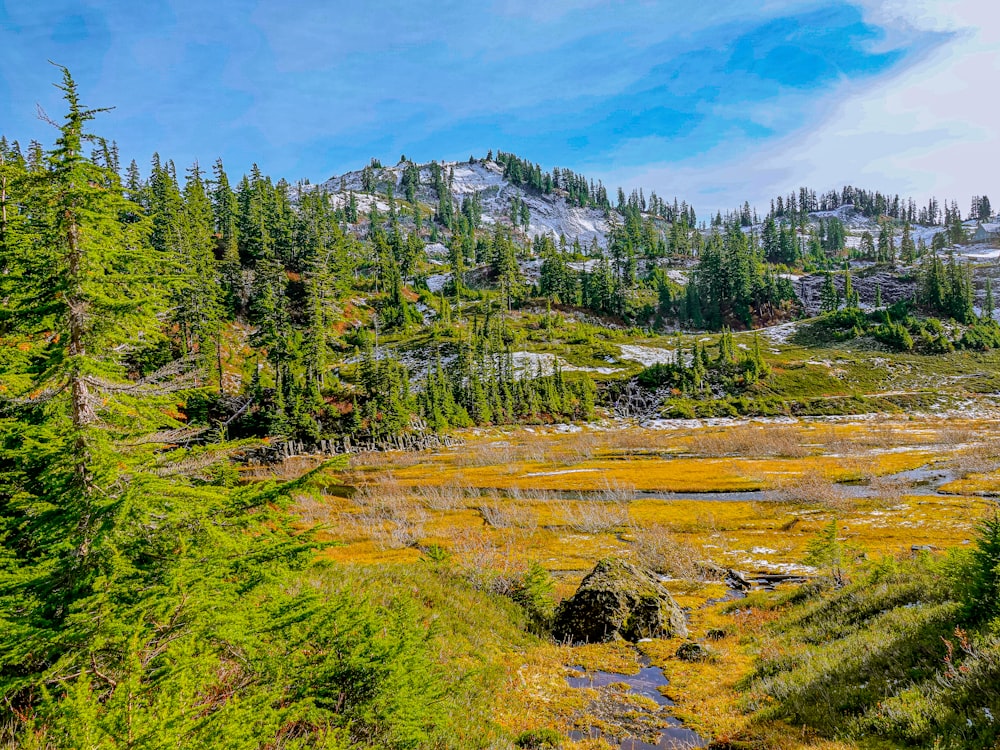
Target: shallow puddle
column 673, row 734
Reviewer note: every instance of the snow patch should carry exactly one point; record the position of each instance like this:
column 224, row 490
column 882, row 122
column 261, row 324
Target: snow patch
column 529, row 364
column 648, row 355
column 780, row 334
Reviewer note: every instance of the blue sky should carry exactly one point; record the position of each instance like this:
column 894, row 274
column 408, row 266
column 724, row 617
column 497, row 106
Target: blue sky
column 714, row 101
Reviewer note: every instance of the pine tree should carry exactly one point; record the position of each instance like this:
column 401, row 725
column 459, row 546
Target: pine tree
column 825, row 550
column 933, row 284
column 851, row 299
column 866, row 249
column 829, row 296
column 506, row 269
column 88, row 281
column 907, row 248
column 225, row 217
column 198, row 304
column 958, row 301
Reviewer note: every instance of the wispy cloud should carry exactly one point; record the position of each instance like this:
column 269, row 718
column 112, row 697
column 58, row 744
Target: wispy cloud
column 712, row 101
column 927, row 127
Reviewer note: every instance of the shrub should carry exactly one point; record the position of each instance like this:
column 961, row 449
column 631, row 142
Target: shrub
column 539, row 739
column 532, row 590
column 679, row 408
column 981, row 590
column 981, row 337
column 656, row 548
column 663, row 373
column 844, row 319
column 895, row 336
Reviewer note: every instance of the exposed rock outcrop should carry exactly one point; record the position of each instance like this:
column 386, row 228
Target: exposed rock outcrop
column 618, row 600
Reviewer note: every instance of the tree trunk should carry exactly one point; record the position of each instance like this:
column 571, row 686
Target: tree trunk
column 83, row 411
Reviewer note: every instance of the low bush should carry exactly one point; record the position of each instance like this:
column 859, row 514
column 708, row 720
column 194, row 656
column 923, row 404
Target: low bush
column 539, row 739
column 909, row 652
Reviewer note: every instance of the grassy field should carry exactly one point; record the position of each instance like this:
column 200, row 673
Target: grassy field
column 743, row 495
column 896, row 448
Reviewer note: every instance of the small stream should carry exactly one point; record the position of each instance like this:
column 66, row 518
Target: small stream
column 673, row 735
column 924, row 481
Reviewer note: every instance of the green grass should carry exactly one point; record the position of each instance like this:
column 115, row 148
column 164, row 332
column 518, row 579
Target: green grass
column 880, row 662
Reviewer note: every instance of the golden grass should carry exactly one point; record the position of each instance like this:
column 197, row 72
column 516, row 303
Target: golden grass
column 987, row 484
column 656, row 547
column 510, row 497
column 657, row 474
column 751, row 440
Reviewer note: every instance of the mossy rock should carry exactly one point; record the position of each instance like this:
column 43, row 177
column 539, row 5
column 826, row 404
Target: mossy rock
column 694, row 651
column 615, row 601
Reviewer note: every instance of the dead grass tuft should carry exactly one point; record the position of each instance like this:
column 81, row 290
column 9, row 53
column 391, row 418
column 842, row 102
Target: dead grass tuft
column 578, row 447
column 658, row 549
column 815, row 488
column 983, row 458
column 501, row 514
column 442, row 497
column 879, row 436
column 602, row 511
column 639, row 440
column 959, row 435
column 490, row 454
column 489, row 564
column 310, row 508
column 386, row 459
column 751, row 441
column 594, row 516
column 888, row 491
column 389, row 515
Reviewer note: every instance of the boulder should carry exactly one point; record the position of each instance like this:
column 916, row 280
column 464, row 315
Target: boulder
column 693, row 651
column 618, row 600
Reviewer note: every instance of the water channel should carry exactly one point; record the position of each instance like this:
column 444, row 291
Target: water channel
column 672, row 734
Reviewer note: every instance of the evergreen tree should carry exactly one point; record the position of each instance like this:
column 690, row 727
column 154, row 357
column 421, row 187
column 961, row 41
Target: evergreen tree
column 225, row 217
column 506, row 269
column 829, row 296
column 198, row 303
column 851, row 299
column 88, row 280
column 866, row 249
column 959, row 295
column 907, row 248
column 933, row 285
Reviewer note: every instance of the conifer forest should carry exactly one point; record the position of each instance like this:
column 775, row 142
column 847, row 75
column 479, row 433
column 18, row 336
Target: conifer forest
column 485, row 453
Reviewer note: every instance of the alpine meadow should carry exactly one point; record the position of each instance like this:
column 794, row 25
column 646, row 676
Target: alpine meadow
column 446, row 453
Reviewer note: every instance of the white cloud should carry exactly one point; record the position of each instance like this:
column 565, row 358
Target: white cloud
column 932, row 128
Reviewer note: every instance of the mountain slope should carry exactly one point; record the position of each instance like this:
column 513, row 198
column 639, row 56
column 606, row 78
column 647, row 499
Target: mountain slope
column 550, row 214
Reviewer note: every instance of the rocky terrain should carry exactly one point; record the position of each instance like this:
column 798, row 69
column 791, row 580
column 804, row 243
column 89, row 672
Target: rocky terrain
column 550, row 214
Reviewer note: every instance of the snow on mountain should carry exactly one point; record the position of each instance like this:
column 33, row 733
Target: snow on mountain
column 363, row 201
column 553, row 215
column 471, row 178
column 549, row 214
column 856, row 224
column 851, row 219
